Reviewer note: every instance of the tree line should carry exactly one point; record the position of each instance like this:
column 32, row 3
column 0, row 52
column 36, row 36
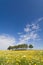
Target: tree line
column 20, row 47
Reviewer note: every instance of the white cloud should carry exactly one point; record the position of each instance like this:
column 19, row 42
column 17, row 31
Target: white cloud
column 31, row 33
column 31, row 36
column 31, row 27
column 27, row 29
column 6, row 40
column 35, row 26
column 19, row 33
column 39, row 20
column 34, row 35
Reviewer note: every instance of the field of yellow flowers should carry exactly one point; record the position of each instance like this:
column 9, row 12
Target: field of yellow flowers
column 29, row 57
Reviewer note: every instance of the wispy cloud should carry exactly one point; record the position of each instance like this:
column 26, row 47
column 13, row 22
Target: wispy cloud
column 19, row 33
column 31, row 32
column 6, row 40
column 27, row 28
column 39, row 20
column 35, row 26
column 28, row 37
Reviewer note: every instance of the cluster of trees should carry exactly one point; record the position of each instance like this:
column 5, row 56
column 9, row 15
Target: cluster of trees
column 20, row 47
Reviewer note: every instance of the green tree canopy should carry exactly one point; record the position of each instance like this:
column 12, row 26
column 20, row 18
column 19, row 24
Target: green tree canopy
column 20, row 46
column 30, row 46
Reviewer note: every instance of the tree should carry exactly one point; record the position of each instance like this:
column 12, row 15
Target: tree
column 18, row 47
column 9, row 48
column 30, row 46
column 22, row 46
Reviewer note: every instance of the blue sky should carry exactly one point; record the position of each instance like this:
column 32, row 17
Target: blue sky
column 20, row 21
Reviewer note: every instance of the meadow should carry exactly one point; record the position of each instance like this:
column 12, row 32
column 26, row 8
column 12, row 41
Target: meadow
column 28, row 57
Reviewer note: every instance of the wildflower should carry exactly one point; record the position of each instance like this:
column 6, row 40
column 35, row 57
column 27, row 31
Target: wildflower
column 24, row 56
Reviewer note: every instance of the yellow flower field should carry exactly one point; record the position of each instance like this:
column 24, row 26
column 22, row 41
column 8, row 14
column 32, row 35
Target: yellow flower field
column 29, row 57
